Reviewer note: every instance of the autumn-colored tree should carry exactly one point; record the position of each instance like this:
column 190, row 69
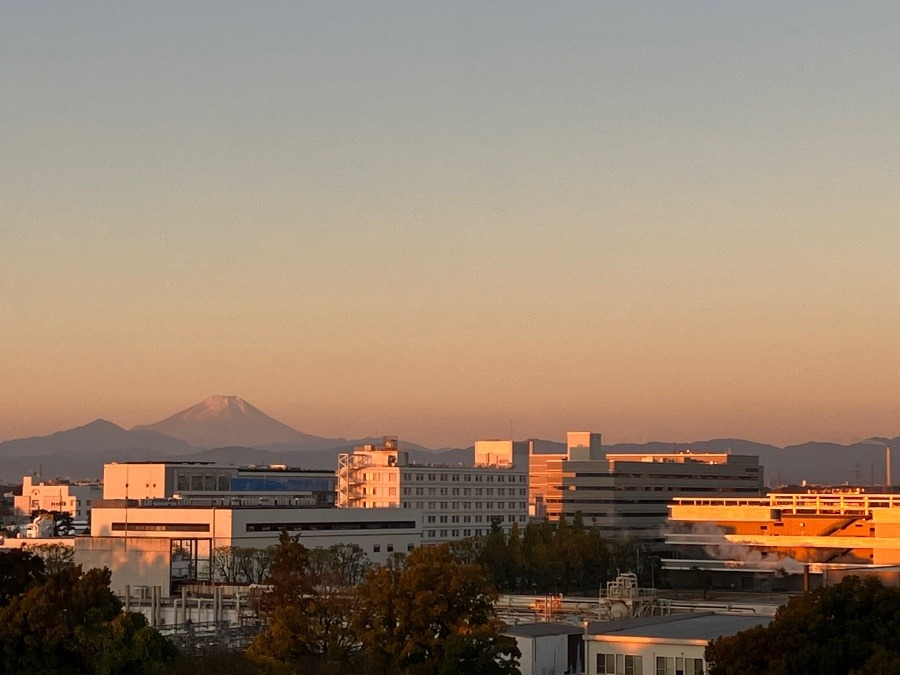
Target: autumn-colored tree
column 851, row 627
column 410, row 617
column 307, row 627
column 56, row 557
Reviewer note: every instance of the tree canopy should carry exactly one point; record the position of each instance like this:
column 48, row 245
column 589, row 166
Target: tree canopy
column 429, row 613
column 70, row 622
column 433, row 615
column 853, row 627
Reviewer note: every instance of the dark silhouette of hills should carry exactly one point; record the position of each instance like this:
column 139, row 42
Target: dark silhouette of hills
column 99, row 435
column 241, row 434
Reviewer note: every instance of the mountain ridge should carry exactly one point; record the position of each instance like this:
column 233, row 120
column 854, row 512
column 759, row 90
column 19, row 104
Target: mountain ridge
column 81, row 451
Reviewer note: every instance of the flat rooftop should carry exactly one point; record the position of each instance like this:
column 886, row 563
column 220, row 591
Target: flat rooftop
column 706, row 626
column 543, row 629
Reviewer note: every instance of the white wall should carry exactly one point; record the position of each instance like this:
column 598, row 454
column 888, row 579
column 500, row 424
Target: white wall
column 649, row 649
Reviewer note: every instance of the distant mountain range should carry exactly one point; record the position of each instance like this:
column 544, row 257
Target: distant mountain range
column 229, row 429
column 221, row 428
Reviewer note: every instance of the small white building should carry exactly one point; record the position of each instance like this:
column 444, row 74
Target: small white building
column 659, row 645
column 548, row 648
column 456, row 501
column 63, row 496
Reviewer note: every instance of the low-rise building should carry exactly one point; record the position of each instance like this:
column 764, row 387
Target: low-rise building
column 659, row 645
column 548, row 648
column 64, row 496
column 196, row 531
column 456, row 501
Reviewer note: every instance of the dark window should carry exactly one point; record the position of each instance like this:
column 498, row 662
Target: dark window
column 160, row 527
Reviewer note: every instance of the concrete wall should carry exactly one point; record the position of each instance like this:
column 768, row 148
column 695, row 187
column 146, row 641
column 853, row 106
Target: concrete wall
column 373, row 529
column 134, row 561
column 544, row 655
column 134, row 481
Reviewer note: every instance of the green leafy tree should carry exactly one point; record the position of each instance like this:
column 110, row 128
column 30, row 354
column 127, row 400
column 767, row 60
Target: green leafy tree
column 19, row 570
column 830, row 631
column 515, row 554
column 409, row 617
column 481, row 652
column 71, row 622
column 128, row 645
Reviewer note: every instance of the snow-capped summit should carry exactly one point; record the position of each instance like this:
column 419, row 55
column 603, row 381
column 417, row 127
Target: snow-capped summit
column 221, row 421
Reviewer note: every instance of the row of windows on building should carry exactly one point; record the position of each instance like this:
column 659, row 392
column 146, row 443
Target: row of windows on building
column 191, row 480
column 389, row 548
column 628, row 664
column 466, row 506
column 465, row 532
column 465, row 492
column 480, row 477
column 430, row 520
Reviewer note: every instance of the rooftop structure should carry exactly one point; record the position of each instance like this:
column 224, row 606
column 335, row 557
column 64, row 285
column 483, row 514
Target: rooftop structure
column 191, row 481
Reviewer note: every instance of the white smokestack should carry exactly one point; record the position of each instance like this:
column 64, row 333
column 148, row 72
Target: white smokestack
column 887, row 467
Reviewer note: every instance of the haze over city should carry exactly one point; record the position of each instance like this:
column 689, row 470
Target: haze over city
column 661, row 221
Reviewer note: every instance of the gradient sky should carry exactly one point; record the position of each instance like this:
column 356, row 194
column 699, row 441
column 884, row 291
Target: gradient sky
column 450, row 221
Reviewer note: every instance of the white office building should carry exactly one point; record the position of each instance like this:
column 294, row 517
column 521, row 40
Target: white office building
column 456, row 501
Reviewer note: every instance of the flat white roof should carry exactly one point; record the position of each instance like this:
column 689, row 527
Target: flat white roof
column 677, row 626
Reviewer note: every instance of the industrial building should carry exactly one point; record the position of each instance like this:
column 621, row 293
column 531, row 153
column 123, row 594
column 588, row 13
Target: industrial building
column 786, row 536
column 456, row 501
column 628, row 494
column 195, row 481
column 164, row 520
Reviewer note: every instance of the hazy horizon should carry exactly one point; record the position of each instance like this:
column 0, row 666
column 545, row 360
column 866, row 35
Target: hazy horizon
column 659, row 221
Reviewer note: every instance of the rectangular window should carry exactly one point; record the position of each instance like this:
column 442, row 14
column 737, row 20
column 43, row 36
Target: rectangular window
column 633, row 665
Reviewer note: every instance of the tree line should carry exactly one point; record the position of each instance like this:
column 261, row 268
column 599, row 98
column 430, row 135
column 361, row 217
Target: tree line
column 563, row 557
column 427, row 613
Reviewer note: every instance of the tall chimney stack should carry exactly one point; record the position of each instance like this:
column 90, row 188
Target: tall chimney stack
column 888, row 482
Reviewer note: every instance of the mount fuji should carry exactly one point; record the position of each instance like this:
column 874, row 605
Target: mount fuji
column 221, row 421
